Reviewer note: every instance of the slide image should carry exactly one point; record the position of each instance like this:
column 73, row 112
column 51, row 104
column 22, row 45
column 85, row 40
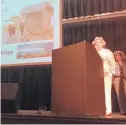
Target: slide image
column 34, row 50
column 34, row 23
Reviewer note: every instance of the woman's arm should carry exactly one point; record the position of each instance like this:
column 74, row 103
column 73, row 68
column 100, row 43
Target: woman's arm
column 111, row 61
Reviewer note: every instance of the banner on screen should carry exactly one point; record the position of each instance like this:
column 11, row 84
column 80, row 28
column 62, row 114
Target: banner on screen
column 31, row 29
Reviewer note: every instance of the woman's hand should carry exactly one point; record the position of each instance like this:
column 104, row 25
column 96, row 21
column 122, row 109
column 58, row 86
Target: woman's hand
column 106, row 73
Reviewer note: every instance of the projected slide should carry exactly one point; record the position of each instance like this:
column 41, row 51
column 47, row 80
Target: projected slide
column 31, row 29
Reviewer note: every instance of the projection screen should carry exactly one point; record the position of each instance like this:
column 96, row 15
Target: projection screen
column 31, row 29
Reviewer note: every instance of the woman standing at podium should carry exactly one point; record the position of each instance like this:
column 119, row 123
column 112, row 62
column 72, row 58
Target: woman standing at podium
column 109, row 68
column 119, row 80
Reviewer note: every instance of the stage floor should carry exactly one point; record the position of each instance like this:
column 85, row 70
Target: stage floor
column 35, row 117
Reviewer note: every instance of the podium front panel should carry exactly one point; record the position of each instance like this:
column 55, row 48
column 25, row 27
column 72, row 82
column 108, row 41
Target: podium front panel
column 75, row 80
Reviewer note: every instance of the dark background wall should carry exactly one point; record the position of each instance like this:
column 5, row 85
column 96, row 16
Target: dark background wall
column 35, row 81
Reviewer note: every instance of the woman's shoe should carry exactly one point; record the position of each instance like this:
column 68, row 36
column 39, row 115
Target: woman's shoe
column 108, row 114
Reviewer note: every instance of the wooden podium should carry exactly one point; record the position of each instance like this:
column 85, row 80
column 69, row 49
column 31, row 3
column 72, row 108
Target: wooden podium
column 77, row 81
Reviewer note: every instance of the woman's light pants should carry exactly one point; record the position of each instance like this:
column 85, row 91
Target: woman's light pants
column 108, row 87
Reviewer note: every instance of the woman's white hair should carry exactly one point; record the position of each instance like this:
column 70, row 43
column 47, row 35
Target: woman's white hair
column 101, row 39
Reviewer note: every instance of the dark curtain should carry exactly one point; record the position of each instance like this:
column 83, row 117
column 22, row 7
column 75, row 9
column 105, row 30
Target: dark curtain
column 77, row 8
column 112, row 30
column 34, row 85
column 34, row 82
